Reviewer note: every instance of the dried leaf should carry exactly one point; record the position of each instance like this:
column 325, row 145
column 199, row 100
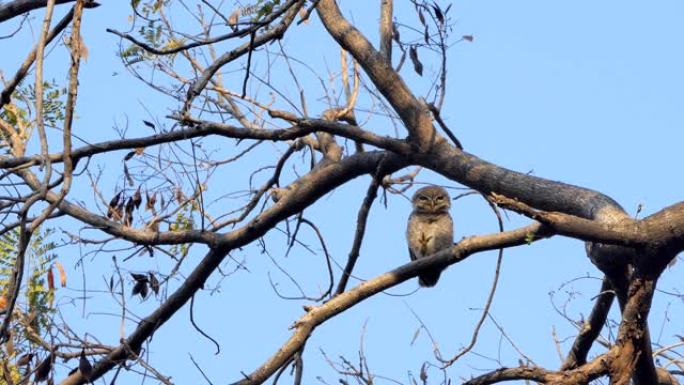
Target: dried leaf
column 421, row 17
column 468, row 38
column 119, row 211
column 9, row 345
column 423, row 373
column 137, row 198
column 149, row 124
column 25, row 359
column 395, row 33
column 6, row 373
column 140, row 287
column 150, row 201
column 62, row 274
column 83, row 49
column 84, row 366
column 154, row 283
column 426, row 35
column 50, row 279
column 233, row 19
column 129, row 179
column 438, row 13
column 129, row 156
column 139, row 277
column 302, row 15
column 179, row 195
column 130, row 205
column 3, row 302
column 113, row 204
column 417, row 65
column 43, row 369
column 139, row 150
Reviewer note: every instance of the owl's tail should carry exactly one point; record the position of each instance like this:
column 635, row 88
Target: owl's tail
column 429, row 278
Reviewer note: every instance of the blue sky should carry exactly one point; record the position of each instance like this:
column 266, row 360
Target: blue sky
column 585, row 92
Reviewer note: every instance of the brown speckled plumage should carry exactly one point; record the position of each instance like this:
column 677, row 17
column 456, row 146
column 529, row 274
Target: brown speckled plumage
column 430, row 228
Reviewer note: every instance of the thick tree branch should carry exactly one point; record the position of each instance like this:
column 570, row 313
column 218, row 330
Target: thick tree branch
column 19, row 7
column 413, row 113
column 201, row 129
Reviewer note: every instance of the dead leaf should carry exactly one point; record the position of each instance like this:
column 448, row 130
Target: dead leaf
column 84, row 366
column 233, row 19
column 417, row 65
column 137, row 198
column 50, row 279
column 25, row 359
column 9, row 345
column 43, row 369
column 150, row 201
column 82, row 49
column 113, row 206
column 62, row 274
column 154, row 283
column 438, row 13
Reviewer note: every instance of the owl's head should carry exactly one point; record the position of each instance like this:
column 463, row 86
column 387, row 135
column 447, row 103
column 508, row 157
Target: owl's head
column 431, row 200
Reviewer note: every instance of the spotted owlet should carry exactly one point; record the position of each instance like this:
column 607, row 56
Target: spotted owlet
column 430, row 228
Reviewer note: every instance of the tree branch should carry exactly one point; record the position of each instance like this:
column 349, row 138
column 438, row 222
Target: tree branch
column 319, row 314
column 19, row 7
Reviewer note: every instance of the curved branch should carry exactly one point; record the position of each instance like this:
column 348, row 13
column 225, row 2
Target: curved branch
column 319, row 314
column 304, row 192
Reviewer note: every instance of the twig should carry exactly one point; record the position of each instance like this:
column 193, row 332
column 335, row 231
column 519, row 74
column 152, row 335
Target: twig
column 194, row 324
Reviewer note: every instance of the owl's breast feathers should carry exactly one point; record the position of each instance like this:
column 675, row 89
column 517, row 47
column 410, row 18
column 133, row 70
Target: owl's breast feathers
column 429, row 233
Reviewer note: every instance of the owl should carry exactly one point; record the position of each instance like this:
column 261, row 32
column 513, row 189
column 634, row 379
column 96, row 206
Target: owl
column 430, row 228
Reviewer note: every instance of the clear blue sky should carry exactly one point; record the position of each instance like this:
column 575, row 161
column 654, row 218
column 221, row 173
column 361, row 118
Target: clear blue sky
column 585, row 92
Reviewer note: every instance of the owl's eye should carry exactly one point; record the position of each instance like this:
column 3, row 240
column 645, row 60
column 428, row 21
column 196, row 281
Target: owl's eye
column 422, row 198
column 440, row 198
